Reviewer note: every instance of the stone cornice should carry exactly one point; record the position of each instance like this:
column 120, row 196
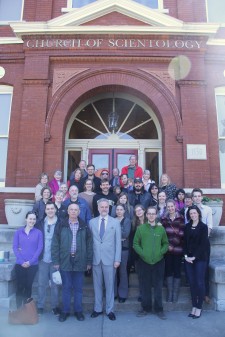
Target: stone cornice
column 216, row 42
column 10, row 40
column 153, row 22
column 22, row 29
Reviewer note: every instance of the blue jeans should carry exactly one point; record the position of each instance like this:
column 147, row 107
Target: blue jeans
column 45, row 271
column 72, row 280
column 196, row 276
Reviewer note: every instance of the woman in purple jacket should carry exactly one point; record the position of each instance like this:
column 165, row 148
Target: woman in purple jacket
column 27, row 246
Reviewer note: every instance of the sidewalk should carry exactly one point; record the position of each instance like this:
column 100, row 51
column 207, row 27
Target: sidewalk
column 210, row 324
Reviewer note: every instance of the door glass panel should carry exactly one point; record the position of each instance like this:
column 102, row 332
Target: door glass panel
column 152, row 164
column 100, row 161
column 74, row 158
column 123, row 160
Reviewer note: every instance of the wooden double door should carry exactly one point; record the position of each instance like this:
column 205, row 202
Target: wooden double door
column 110, row 158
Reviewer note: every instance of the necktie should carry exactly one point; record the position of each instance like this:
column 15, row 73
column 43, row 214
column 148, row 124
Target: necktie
column 102, row 228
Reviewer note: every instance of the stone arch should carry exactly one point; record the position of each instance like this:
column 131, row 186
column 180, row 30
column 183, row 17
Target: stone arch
column 151, row 87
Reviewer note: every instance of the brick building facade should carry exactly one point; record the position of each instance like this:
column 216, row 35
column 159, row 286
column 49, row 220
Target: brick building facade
column 66, row 69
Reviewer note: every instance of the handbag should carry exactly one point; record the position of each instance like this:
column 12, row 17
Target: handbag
column 26, row 314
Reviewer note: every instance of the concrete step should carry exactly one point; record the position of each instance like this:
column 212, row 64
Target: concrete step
column 131, row 304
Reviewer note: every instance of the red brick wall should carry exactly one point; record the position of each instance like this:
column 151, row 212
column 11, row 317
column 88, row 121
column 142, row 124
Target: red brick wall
column 191, row 10
column 57, row 6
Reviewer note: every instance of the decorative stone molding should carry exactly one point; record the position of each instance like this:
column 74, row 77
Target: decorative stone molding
column 61, row 76
column 36, row 82
column 164, row 77
column 191, row 83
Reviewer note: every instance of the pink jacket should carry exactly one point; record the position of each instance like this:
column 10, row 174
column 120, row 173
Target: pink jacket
column 53, row 184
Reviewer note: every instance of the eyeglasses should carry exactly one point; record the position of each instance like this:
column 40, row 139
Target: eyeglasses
column 49, row 228
column 105, row 173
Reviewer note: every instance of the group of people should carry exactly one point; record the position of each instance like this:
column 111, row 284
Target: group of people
column 109, row 227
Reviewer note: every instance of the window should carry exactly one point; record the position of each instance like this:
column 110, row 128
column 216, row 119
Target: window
column 215, row 10
column 81, row 3
column 157, row 4
column 149, row 3
column 133, row 121
column 5, row 111
column 220, row 106
column 11, row 10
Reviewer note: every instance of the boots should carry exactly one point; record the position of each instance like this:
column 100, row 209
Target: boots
column 176, row 289
column 169, row 283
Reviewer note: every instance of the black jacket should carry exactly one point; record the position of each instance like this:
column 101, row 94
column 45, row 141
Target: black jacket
column 112, row 201
column 144, row 199
column 196, row 241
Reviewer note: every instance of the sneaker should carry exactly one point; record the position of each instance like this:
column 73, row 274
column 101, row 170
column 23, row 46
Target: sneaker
column 56, row 311
column 40, row 311
column 161, row 315
column 142, row 313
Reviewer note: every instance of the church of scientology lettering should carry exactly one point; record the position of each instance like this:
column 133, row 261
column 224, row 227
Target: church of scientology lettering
column 114, row 43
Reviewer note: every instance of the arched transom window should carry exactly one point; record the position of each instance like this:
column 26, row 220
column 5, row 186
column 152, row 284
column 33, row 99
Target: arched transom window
column 104, row 117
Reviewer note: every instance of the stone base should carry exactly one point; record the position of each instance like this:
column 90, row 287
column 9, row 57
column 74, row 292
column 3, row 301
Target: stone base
column 217, row 278
column 7, row 285
column 8, row 302
column 217, row 241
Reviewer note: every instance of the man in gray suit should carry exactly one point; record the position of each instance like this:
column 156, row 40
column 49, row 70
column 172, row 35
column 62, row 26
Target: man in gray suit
column 106, row 233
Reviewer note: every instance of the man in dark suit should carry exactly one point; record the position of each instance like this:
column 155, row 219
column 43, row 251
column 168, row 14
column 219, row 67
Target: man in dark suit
column 106, row 233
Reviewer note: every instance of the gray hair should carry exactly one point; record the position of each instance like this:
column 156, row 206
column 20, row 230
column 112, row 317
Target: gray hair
column 58, row 172
column 103, row 200
column 147, row 172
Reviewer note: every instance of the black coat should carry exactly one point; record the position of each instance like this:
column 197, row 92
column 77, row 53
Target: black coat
column 196, row 241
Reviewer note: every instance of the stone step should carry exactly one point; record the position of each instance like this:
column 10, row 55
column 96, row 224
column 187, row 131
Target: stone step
column 131, row 304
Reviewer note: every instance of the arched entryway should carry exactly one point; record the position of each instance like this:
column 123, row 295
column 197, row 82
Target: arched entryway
column 90, row 137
